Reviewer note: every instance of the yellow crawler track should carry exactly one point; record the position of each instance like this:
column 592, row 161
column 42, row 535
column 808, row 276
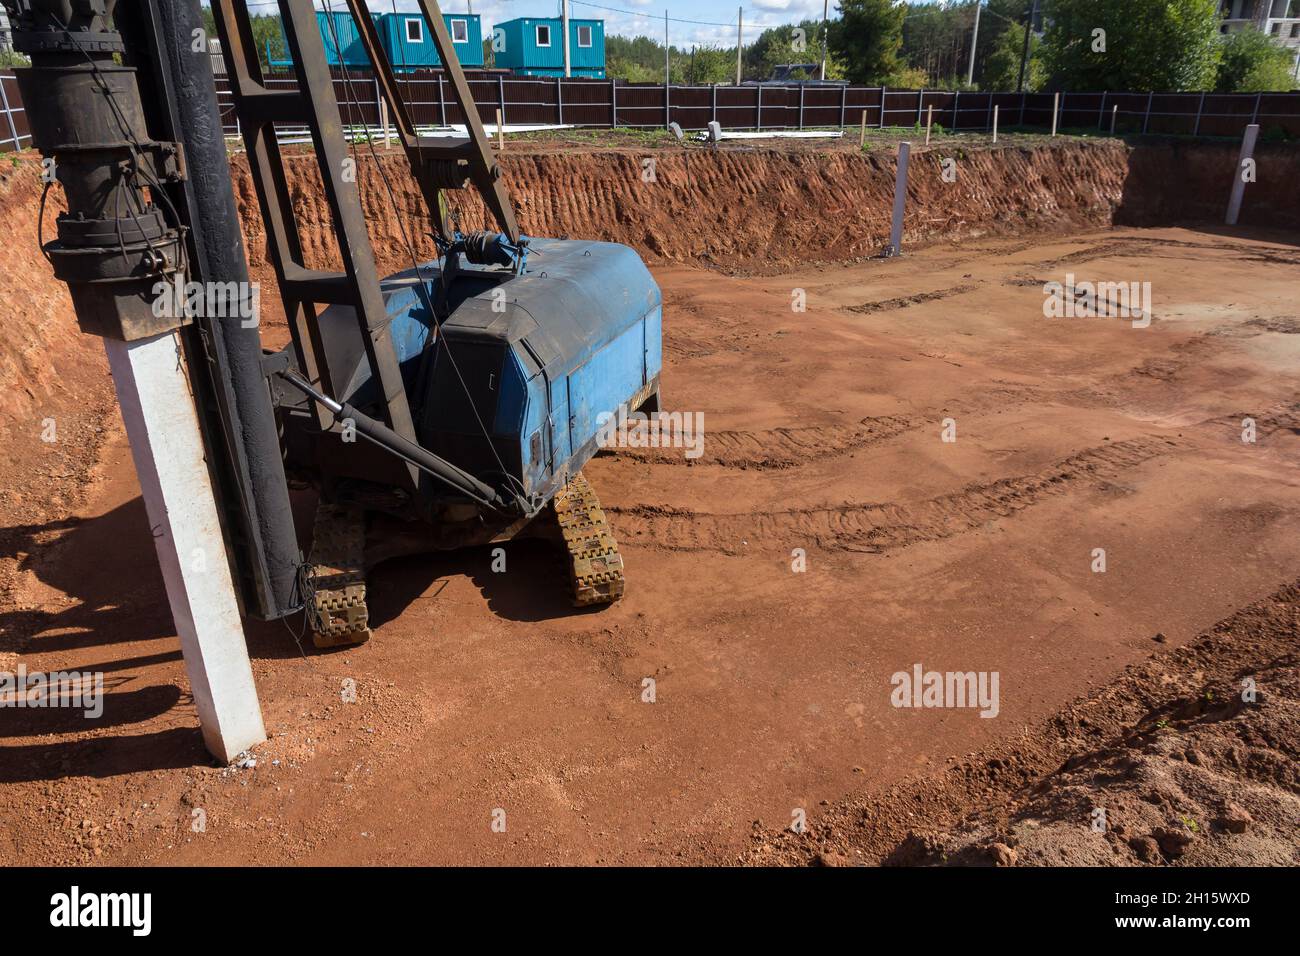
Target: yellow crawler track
column 595, row 566
column 336, row 606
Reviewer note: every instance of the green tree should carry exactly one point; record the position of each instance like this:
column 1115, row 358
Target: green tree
column 1144, row 45
column 936, row 41
column 637, row 59
column 711, row 64
column 999, row 17
column 1253, row 62
column 641, row 60
column 266, row 34
column 867, row 38
column 1002, row 68
column 778, row 45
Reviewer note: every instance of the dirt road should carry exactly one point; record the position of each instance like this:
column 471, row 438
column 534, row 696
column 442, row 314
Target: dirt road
column 772, row 686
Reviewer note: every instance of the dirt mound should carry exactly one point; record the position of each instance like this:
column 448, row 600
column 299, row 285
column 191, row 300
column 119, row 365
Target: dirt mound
column 1189, row 758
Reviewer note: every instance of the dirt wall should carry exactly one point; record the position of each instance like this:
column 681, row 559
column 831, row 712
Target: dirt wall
column 38, row 328
column 764, row 210
column 1175, row 183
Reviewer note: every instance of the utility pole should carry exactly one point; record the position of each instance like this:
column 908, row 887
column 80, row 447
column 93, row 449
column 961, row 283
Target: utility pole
column 564, row 28
column 1024, row 54
column 740, row 43
column 974, row 38
column 826, row 9
column 666, row 77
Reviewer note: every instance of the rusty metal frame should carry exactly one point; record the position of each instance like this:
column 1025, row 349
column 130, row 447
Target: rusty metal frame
column 303, row 289
column 432, row 158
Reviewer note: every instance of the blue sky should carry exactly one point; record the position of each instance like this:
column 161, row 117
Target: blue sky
column 714, row 20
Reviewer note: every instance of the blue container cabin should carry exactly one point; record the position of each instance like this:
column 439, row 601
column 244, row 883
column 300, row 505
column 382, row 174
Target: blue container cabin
column 404, row 37
column 348, row 51
column 532, row 46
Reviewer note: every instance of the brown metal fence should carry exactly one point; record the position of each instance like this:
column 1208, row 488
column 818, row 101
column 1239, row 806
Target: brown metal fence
column 14, row 131
column 609, row 103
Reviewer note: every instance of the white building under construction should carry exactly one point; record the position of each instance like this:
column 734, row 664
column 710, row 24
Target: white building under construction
column 1279, row 19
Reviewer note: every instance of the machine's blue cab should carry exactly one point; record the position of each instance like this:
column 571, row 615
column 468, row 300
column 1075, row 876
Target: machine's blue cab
column 541, row 355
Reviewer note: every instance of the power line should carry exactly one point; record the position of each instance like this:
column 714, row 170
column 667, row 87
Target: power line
column 654, row 16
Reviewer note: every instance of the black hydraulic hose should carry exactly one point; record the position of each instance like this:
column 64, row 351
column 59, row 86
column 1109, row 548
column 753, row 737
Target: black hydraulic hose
column 425, row 460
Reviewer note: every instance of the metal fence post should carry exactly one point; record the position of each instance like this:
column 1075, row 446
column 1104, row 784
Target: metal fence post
column 442, row 104
column 1146, row 119
column 883, row 90
column 4, row 101
column 559, row 99
column 801, row 88
column 758, row 118
column 956, row 98
column 1200, row 108
column 1023, row 94
column 900, row 200
column 1101, row 112
column 714, row 114
column 613, row 104
column 920, row 104
column 844, row 99
column 668, row 109
column 501, row 97
column 1238, row 179
column 988, row 112
column 1254, row 116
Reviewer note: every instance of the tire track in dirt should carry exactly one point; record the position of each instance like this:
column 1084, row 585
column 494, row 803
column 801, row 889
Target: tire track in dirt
column 881, row 527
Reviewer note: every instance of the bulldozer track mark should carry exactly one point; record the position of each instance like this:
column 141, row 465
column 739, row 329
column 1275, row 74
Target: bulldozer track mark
column 779, row 447
column 789, row 447
column 882, row 527
column 1102, row 250
column 906, row 301
column 1282, row 325
column 1281, row 417
column 1135, row 246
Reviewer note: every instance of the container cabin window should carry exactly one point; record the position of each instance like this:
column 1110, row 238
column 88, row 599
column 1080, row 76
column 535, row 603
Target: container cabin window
column 414, row 31
column 584, row 36
column 543, row 35
column 459, row 31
